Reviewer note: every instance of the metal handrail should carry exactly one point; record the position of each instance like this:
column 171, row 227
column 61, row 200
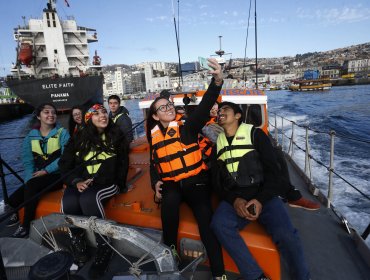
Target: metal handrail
column 306, row 150
column 308, row 157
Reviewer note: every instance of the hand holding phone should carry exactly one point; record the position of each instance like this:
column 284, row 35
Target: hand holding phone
column 203, row 62
column 252, row 209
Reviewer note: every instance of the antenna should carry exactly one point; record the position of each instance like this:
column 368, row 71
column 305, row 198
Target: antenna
column 220, row 52
column 177, row 42
column 255, row 35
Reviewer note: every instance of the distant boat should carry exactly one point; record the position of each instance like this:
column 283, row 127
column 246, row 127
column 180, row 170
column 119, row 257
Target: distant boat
column 311, row 82
column 53, row 63
column 310, row 85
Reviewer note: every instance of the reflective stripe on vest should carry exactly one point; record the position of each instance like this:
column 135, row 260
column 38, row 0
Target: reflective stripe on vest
column 174, row 160
column 95, row 164
column 53, row 151
column 241, row 144
column 114, row 119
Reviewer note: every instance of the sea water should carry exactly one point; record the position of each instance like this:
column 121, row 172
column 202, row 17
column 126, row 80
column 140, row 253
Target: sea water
column 343, row 109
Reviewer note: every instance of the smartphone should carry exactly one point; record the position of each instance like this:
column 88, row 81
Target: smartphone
column 204, row 63
column 252, row 209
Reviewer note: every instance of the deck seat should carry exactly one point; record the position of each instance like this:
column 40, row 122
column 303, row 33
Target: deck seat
column 137, row 208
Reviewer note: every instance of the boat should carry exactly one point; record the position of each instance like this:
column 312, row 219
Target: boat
column 310, row 85
column 52, row 63
column 310, row 82
column 333, row 250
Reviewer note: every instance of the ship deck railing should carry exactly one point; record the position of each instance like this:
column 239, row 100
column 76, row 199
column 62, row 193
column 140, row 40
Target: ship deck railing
column 285, row 135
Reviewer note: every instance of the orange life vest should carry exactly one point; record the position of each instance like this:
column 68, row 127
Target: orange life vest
column 174, row 160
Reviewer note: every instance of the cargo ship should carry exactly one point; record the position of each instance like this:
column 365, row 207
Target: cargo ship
column 53, row 62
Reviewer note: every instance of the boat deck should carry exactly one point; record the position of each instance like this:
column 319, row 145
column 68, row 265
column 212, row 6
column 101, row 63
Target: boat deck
column 330, row 251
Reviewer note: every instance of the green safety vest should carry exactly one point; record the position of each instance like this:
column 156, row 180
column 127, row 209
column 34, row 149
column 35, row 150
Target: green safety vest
column 53, row 150
column 241, row 158
column 114, row 119
column 95, row 164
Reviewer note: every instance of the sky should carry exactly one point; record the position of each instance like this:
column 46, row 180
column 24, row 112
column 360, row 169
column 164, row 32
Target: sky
column 134, row 31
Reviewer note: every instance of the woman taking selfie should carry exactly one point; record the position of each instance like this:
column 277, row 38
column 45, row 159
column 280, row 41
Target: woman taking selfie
column 178, row 172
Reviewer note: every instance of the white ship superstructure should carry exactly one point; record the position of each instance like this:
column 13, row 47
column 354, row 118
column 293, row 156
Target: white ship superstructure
column 51, row 46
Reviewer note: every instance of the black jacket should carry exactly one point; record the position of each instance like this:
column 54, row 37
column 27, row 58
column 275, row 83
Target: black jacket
column 228, row 189
column 112, row 170
column 124, row 122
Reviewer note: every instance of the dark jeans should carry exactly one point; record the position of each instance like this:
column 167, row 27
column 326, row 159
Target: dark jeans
column 33, row 187
column 198, row 199
column 87, row 203
column 226, row 224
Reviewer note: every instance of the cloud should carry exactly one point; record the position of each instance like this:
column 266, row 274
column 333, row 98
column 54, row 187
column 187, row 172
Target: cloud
column 148, row 49
column 158, row 18
column 203, row 6
column 336, row 15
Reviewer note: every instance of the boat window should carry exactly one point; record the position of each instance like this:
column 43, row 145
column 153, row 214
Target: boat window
column 253, row 114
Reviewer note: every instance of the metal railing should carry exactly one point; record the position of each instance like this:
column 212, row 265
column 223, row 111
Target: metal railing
column 281, row 137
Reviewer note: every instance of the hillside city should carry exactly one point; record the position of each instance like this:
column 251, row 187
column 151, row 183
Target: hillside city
column 347, row 62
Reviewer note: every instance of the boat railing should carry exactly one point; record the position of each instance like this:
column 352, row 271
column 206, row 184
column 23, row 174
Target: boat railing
column 290, row 144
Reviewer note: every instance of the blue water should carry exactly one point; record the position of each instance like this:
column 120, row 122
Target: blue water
column 346, row 110
column 343, row 109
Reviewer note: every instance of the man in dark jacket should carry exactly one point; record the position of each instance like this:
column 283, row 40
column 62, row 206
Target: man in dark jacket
column 249, row 188
column 120, row 115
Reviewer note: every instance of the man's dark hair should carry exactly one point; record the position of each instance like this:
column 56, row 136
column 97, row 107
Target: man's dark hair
column 236, row 108
column 116, row 97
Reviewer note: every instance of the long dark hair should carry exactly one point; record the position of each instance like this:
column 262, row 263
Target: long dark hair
column 89, row 139
column 71, row 122
column 150, row 121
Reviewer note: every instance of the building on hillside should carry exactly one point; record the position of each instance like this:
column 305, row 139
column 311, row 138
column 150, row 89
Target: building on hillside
column 359, row 66
column 138, row 81
column 331, row 71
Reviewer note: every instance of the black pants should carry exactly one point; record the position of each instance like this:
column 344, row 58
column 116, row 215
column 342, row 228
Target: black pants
column 89, row 202
column 33, row 187
column 198, row 198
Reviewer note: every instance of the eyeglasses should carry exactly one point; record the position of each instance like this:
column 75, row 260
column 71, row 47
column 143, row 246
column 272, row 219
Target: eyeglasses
column 77, row 115
column 165, row 108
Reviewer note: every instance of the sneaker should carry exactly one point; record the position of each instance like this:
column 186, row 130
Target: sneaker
column 79, row 249
column 102, row 258
column 13, row 220
column 20, row 232
column 305, row 204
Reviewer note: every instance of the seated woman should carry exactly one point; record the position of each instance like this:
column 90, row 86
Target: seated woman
column 42, row 149
column 178, row 172
column 75, row 123
column 94, row 163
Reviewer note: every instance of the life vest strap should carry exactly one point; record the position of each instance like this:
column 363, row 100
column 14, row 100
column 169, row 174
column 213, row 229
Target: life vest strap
column 165, row 143
column 179, row 154
column 177, row 172
column 234, row 147
column 232, row 160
